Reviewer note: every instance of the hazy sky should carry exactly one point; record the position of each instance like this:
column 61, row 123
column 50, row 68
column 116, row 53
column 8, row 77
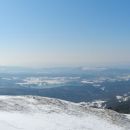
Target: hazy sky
column 64, row 32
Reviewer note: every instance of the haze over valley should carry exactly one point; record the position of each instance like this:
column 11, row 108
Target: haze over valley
column 64, row 65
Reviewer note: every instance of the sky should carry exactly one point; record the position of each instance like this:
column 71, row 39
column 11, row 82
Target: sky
column 64, row 32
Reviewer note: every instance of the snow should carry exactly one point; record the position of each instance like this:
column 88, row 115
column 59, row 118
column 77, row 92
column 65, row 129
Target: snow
column 118, row 97
column 16, row 121
column 87, row 82
column 40, row 81
column 95, row 103
column 128, row 116
column 40, row 113
column 123, row 98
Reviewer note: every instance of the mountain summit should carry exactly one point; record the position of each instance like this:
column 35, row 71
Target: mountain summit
column 41, row 113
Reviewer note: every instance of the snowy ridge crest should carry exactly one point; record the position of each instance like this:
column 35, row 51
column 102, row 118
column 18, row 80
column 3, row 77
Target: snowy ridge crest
column 44, row 105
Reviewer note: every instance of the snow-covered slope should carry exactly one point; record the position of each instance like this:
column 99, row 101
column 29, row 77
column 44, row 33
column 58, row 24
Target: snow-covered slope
column 40, row 113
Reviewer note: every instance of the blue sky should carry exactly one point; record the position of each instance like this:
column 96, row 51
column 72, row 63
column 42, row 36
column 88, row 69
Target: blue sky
column 64, row 32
